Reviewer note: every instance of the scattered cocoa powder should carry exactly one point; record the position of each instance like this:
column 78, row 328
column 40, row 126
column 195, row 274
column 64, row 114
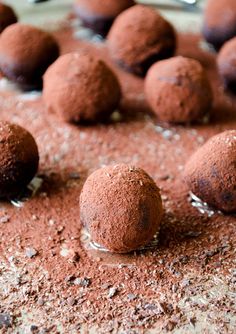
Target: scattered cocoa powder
column 187, row 281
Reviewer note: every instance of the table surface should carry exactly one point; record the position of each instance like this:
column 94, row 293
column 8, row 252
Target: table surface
column 46, row 13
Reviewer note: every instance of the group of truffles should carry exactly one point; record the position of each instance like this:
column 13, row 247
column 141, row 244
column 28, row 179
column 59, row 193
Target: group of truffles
column 121, row 205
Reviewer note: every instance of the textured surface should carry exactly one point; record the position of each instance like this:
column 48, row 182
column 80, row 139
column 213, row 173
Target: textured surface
column 211, row 172
column 81, row 88
column 50, row 280
column 139, row 37
column 178, row 90
column 121, row 207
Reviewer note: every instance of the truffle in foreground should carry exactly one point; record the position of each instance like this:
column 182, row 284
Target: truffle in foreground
column 99, row 15
column 178, row 90
column 211, row 172
column 81, row 88
column 139, row 37
column 219, row 21
column 121, row 207
column 25, row 54
column 227, row 64
column 19, row 159
column 7, row 16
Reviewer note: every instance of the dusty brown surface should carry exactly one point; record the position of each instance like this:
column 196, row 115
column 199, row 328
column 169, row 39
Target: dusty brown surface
column 51, row 283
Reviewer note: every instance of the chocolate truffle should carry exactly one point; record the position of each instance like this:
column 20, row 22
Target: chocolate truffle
column 178, row 90
column 219, row 21
column 121, row 208
column 25, row 54
column 139, row 37
column 227, row 64
column 81, row 88
column 19, row 159
column 99, row 15
column 7, row 16
column 211, row 172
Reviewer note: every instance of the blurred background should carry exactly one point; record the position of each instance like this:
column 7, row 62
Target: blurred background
column 185, row 17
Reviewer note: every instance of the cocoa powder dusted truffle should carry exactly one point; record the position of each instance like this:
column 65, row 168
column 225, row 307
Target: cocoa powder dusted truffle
column 81, row 88
column 219, row 21
column 25, row 54
column 7, row 16
column 178, row 90
column 121, row 207
column 227, row 64
column 211, row 172
column 99, row 15
column 19, row 159
column 139, row 37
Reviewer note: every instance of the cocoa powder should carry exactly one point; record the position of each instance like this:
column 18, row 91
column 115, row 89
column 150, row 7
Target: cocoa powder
column 67, row 288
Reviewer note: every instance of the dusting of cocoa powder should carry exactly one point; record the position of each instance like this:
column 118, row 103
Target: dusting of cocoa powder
column 25, row 54
column 121, row 208
column 81, row 88
column 139, row 37
column 178, row 90
column 211, row 172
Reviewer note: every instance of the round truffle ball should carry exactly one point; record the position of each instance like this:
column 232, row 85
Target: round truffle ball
column 81, row 88
column 99, row 15
column 219, row 21
column 226, row 61
column 139, row 37
column 7, row 16
column 25, row 54
column 121, row 208
column 19, row 159
column 178, row 90
column 211, row 172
